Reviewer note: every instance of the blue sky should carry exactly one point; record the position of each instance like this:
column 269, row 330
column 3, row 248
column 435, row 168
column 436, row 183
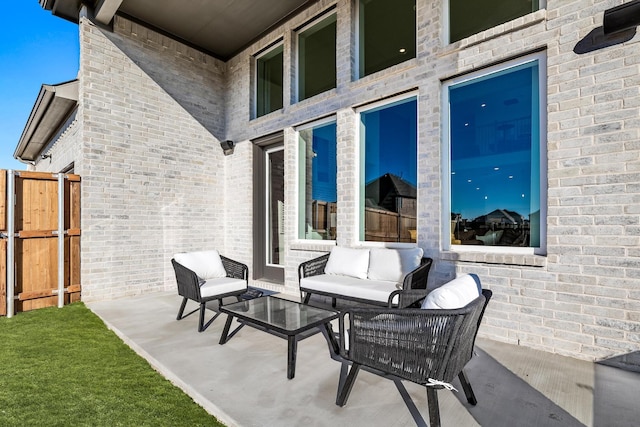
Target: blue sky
column 36, row 48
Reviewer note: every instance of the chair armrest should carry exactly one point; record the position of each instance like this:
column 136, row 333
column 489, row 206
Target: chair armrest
column 407, row 298
column 417, row 279
column 235, row 269
column 313, row 267
column 187, row 280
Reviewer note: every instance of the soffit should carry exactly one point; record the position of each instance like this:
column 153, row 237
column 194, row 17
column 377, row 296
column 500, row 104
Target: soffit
column 220, row 27
column 55, row 103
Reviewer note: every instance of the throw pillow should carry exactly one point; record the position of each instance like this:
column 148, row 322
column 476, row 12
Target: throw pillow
column 454, row 294
column 393, row 264
column 348, row 262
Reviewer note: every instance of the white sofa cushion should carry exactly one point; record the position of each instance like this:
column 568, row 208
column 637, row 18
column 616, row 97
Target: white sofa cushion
column 222, row 285
column 374, row 290
column 206, row 264
column 393, row 264
column 348, row 262
column 454, row 294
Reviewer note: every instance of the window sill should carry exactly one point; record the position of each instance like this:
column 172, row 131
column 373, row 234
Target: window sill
column 503, row 258
column 312, row 245
column 499, row 30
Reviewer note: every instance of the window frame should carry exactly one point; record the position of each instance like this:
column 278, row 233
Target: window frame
column 358, row 62
column 300, row 178
column 541, row 59
column 359, row 190
column 332, row 13
column 256, row 58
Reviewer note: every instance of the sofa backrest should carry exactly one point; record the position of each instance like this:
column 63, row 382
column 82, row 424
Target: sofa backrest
column 381, row 264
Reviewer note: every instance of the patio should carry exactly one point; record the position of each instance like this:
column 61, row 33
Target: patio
column 243, row 383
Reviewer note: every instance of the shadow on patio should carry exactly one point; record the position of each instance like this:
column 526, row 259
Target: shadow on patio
column 243, row 383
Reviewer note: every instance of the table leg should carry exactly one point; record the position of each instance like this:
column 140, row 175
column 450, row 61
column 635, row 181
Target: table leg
column 225, row 332
column 327, row 331
column 292, row 348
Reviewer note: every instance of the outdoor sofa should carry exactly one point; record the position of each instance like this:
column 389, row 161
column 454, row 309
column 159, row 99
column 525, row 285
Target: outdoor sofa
column 378, row 276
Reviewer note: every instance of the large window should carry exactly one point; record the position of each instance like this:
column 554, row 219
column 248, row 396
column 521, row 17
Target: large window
column 317, row 178
column 388, row 192
column 269, row 72
column 317, row 58
column 387, row 34
column 468, row 17
column 494, row 142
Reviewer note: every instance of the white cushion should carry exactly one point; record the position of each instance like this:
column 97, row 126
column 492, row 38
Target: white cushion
column 393, row 264
column 222, row 285
column 206, row 264
column 348, row 262
column 454, row 294
column 374, row 290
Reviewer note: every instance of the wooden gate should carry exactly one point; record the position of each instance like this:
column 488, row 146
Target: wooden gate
column 43, row 267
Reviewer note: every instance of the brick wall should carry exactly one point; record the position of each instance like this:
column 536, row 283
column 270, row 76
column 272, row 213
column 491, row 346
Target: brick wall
column 153, row 170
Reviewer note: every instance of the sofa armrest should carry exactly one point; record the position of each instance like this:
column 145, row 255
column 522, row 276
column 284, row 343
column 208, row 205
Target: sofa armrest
column 235, row 269
column 417, row 279
column 313, row 267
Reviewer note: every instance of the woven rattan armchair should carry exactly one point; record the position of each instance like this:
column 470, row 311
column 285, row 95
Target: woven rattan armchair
column 195, row 288
column 427, row 347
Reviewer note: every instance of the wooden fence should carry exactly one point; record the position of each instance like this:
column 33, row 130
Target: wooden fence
column 40, row 248
column 385, row 226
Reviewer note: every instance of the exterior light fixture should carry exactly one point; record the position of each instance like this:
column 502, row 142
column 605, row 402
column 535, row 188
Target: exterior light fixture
column 621, row 17
column 227, row 147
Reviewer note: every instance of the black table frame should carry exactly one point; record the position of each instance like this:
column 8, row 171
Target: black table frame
column 292, row 335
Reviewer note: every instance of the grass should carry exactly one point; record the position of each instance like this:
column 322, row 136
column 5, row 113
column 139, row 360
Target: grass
column 63, row 367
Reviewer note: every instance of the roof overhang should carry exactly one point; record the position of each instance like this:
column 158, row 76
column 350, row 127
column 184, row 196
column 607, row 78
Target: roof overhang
column 54, row 105
column 219, row 28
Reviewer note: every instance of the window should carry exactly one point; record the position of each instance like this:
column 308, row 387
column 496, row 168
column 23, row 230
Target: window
column 269, row 72
column 317, row 58
column 387, row 34
column 388, row 192
column 468, row 17
column 496, row 170
column 318, row 187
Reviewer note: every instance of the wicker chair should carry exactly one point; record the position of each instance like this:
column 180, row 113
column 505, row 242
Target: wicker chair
column 427, row 347
column 192, row 287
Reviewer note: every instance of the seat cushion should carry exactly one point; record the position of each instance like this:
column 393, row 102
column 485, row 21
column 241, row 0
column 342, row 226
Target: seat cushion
column 206, row 264
column 222, row 285
column 353, row 262
column 373, row 290
column 454, row 294
column 393, row 264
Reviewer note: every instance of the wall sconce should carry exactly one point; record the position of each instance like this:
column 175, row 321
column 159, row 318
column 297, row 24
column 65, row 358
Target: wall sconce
column 45, row 156
column 621, row 17
column 227, row 147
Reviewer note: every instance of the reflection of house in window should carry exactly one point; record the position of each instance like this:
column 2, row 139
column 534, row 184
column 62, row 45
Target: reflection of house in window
column 390, row 209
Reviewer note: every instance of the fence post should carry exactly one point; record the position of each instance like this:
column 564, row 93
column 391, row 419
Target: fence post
column 60, row 240
column 11, row 233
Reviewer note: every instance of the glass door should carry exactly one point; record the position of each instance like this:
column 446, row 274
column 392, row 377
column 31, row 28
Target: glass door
column 268, row 210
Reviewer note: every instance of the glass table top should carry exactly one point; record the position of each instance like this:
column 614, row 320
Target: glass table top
column 278, row 313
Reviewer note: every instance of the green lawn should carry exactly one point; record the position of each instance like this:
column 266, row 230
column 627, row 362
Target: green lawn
column 63, row 367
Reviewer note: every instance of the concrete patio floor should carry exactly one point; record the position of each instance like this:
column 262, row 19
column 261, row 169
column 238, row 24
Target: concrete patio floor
column 244, row 383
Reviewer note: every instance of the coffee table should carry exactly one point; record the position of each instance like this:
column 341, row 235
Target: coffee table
column 287, row 319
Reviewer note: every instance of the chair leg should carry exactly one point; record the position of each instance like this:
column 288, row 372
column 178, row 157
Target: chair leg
column 182, row 306
column 434, row 409
column 203, row 307
column 466, row 386
column 307, row 297
column 333, row 302
column 343, row 394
